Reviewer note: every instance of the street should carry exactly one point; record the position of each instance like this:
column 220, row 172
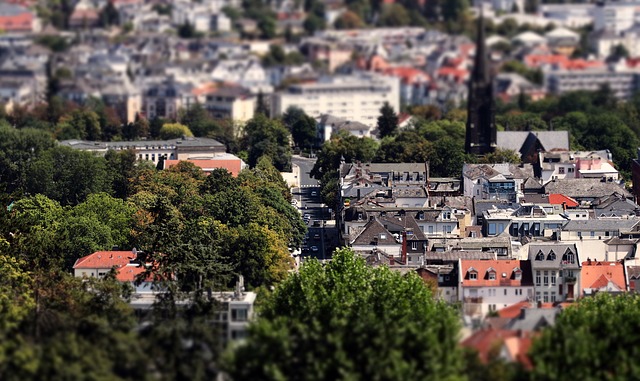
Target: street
column 322, row 239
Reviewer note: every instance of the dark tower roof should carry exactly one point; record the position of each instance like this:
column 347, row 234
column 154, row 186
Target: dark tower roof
column 481, row 127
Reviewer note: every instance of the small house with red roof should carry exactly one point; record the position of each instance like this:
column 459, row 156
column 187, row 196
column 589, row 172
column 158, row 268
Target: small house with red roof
column 99, row 264
column 16, row 18
column 489, row 285
column 230, row 162
column 506, row 344
column 602, row 277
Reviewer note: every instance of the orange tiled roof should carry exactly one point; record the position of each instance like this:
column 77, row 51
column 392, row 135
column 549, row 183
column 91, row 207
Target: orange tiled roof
column 104, row 260
column 129, row 273
column 501, row 267
column 19, row 22
column 234, row 166
column 485, row 340
column 407, row 74
column 513, row 311
column 557, row 198
column 598, row 274
column 536, row 60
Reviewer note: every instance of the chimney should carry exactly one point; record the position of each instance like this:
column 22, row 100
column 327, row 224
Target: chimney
column 588, row 260
column 403, row 259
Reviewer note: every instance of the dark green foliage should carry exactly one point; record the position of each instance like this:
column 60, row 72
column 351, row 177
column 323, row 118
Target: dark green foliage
column 302, row 127
column 387, row 121
column 265, row 137
column 350, row 321
column 67, row 175
column 594, row 340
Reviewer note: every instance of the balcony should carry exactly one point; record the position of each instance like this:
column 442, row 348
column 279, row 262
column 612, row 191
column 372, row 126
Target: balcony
column 473, row 299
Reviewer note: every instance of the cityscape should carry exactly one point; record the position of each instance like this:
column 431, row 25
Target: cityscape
column 319, row 189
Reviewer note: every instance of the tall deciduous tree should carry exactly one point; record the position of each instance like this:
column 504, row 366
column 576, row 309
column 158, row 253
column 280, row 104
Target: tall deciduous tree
column 590, row 341
column 387, row 121
column 350, row 321
column 265, row 137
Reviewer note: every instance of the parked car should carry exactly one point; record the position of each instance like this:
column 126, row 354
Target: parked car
column 314, row 248
column 314, row 193
column 316, row 236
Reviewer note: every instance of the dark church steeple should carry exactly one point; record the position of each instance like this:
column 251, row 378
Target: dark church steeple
column 481, row 125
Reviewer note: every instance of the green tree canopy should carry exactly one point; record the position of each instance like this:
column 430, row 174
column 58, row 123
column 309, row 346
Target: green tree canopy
column 174, row 130
column 592, row 340
column 387, row 121
column 350, row 321
column 266, row 137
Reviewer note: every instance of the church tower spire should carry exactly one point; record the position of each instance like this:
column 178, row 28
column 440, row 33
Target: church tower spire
column 481, row 125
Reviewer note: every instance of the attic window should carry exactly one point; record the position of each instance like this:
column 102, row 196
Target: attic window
column 518, row 273
column 540, row 256
column 383, row 236
column 551, row 256
column 473, row 275
column 568, row 257
column 492, row 275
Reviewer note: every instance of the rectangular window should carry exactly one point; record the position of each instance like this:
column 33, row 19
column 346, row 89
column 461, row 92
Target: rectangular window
column 505, row 292
column 546, row 278
column 561, row 170
column 473, row 276
column 414, row 245
column 553, row 297
column 500, row 228
column 593, row 234
column 538, row 297
column 492, row 276
column 430, row 229
column 537, row 278
column 546, row 297
column 492, row 229
column 553, row 278
column 514, row 229
column 239, row 314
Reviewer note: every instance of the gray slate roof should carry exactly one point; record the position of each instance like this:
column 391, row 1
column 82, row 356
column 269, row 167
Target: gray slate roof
column 601, row 225
column 584, row 188
column 514, row 140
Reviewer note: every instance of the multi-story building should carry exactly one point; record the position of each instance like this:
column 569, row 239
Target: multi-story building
column 591, row 236
column 356, row 97
column 624, row 82
column 569, row 165
column 156, row 150
column 164, row 99
column 490, row 285
column 556, row 271
column 529, row 220
column 227, row 101
column 495, row 181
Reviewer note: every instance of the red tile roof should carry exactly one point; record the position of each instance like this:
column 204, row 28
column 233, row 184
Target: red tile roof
column 505, row 271
column 485, row 340
column 234, row 166
column 129, row 273
column 104, row 260
column 536, row 60
column 408, row 75
column 513, row 311
column 17, row 23
column 597, row 275
column 557, row 198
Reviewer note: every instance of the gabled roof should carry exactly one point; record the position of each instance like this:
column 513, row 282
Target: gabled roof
column 584, row 188
column 560, row 199
column 515, row 140
column 104, row 260
column 505, row 273
column 373, row 233
column 597, row 275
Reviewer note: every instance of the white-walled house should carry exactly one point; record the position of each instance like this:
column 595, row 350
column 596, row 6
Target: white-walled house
column 490, row 285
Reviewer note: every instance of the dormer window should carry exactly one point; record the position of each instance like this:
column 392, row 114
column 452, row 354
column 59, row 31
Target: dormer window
column 517, row 273
column 568, row 257
column 540, row 256
column 491, row 273
column 473, row 274
column 551, row 256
